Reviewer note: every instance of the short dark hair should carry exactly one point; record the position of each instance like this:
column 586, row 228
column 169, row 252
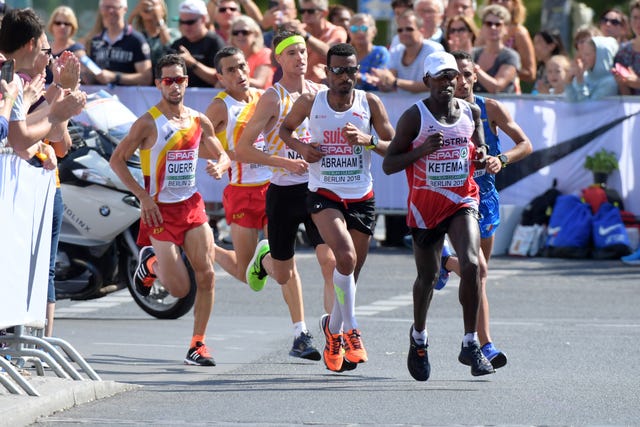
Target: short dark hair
column 341, row 49
column 169, row 60
column 225, row 52
column 461, row 55
column 18, row 27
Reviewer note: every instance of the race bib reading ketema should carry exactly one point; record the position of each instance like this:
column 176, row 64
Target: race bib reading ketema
column 449, row 166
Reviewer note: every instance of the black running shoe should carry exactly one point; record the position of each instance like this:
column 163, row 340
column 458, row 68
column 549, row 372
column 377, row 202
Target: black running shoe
column 303, row 348
column 472, row 356
column 199, row 356
column 418, row 360
column 143, row 278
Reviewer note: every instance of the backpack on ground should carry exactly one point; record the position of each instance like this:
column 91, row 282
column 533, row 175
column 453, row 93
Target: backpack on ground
column 569, row 231
column 539, row 210
column 610, row 238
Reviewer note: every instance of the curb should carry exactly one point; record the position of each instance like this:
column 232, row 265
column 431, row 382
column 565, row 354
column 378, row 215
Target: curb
column 56, row 394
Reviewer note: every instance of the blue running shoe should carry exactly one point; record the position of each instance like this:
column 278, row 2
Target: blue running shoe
column 497, row 358
column 633, row 259
column 444, row 273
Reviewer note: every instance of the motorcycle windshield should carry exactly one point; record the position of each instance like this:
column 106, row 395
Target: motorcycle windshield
column 108, row 115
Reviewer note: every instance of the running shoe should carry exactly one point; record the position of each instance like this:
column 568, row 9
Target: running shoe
column 497, row 358
column 256, row 275
column 472, row 356
column 418, row 359
column 303, row 348
column 333, row 357
column 199, row 356
column 443, row 278
column 354, row 350
column 633, row 259
column 143, row 277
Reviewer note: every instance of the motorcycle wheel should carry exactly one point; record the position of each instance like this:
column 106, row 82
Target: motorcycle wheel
column 159, row 303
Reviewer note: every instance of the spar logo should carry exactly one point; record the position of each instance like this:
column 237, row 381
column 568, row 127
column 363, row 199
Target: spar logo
column 175, row 155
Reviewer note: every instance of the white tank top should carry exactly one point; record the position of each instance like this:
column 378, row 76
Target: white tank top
column 345, row 169
column 238, row 114
column 169, row 166
column 276, row 146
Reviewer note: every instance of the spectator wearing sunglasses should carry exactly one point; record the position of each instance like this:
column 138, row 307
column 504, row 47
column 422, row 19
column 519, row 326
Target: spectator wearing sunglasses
column 198, row 45
column 460, row 34
column 121, row 52
column 405, row 72
column 62, row 26
column 627, row 59
column 221, row 13
column 362, row 31
column 614, row 23
column 246, row 36
column 320, row 36
column 496, row 65
column 341, row 16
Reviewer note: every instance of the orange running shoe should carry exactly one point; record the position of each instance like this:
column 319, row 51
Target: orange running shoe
column 333, row 348
column 354, row 349
column 143, row 277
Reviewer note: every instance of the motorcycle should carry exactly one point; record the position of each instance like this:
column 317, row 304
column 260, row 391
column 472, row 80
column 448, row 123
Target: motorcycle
column 97, row 252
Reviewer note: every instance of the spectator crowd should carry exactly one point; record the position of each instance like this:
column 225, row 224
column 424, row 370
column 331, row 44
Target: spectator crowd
column 124, row 44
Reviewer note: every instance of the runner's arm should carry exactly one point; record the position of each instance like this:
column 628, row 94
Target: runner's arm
column 381, row 123
column 498, row 114
column 211, row 148
column 299, row 112
column 399, row 156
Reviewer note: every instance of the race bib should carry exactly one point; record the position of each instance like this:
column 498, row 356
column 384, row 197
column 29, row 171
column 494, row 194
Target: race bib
column 181, row 168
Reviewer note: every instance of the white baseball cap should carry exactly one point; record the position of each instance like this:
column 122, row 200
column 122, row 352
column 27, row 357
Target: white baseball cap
column 438, row 62
column 195, row 7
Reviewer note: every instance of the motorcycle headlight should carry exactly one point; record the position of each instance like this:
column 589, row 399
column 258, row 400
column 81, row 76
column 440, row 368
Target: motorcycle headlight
column 92, row 176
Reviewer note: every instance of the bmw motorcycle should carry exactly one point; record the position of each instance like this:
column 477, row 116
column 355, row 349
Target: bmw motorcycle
column 97, row 252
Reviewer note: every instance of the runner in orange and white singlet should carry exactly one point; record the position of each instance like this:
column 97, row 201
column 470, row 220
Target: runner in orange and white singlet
column 287, row 193
column 171, row 137
column 244, row 197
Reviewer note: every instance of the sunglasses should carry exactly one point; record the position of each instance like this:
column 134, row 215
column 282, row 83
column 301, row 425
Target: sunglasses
column 227, row 9
column 62, row 24
column 615, row 21
column 356, row 28
column 47, row 51
column 188, row 21
column 309, row 11
column 458, row 30
column 490, row 24
column 407, row 29
column 240, row 33
column 168, row 81
column 341, row 70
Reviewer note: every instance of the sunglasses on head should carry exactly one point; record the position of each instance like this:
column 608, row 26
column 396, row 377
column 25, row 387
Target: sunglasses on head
column 62, row 24
column 188, row 21
column 168, row 81
column 341, row 70
column 356, row 28
column 407, row 29
column 240, row 32
column 227, row 9
column 492, row 24
column 615, row 21
column 309, row 11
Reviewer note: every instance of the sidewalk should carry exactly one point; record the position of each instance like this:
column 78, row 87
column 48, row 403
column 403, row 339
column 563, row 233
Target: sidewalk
column 56, row 394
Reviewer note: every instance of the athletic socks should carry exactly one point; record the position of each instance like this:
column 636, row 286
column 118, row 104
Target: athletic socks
column 469, row 338
column 345, row 289
column 419, row 337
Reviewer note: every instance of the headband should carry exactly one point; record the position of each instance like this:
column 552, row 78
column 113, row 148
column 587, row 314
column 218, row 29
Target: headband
column 288, row 42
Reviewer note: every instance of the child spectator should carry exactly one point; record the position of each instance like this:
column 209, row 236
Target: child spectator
column 591, row 70
column 546, row 44
column 557, row 74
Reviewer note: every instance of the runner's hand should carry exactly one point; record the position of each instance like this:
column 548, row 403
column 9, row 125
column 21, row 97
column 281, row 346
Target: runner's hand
column 149, row 212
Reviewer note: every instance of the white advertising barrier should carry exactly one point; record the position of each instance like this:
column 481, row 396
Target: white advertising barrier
column 26, row 210
column 562, row 133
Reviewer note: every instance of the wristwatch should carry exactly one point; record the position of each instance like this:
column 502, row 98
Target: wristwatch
column 503, row 159
column 373, row 143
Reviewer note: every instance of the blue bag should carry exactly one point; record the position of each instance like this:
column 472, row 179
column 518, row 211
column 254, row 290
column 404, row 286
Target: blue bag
column 610, row 238
column 569, row 232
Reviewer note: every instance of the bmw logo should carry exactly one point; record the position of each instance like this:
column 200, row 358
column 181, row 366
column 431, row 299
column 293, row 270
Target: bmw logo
column 105, row 211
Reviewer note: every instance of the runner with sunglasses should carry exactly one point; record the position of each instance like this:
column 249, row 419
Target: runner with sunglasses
column 341, row 199
column 171, row 137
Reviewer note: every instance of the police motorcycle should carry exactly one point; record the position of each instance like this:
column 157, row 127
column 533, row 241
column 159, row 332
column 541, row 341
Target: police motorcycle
column 97, row 252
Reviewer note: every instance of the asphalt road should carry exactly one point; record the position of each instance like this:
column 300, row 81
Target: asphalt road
column 571, row 330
